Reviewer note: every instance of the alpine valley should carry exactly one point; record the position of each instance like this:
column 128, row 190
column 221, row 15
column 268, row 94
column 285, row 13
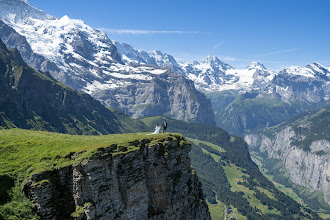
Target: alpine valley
column 77, row 109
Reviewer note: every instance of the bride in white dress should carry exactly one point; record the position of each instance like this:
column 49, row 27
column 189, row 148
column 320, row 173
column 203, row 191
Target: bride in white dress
column 157, row 129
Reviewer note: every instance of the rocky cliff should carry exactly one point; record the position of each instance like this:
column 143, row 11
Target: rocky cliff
column 302, row 150
column 167, row 94
column 154, row 182
column 308, row 169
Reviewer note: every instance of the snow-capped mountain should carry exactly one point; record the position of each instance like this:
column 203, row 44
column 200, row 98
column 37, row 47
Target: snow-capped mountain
column 314, row 70
column 76, row 49
column 292, row 91
column 130, row 55
column 20, row 11
column 211, row 74
column 255, row 97
column 310, row 83
column 208, row 75
column 87, row 60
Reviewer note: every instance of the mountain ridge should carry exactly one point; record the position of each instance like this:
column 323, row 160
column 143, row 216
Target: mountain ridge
column 86, row 59
column 30, row 99
column 211, row 74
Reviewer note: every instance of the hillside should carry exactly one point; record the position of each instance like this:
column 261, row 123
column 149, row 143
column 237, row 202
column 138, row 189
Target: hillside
column 241, row 113
column 296, row 154
column 231, row 181
column 94, row 177
column 33, row 100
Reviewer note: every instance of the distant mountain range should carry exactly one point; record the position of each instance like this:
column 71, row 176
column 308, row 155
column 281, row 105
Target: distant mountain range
column 250, row 98
column 209, row 75
column 86, row 59
column 212, row 75
column 146, row 84
column 152, row 84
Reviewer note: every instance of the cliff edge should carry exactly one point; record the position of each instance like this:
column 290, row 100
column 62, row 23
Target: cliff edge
column 141, row 177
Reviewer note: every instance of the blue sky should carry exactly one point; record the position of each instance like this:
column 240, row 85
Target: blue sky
column 277, row 33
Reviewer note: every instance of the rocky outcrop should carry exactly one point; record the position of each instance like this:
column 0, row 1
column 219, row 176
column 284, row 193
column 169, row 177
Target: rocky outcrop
column 310, row 169
column 168, row 94
column 154, row 182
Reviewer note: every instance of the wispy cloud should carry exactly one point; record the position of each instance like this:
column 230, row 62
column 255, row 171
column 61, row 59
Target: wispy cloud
column 275, row 62
column 144, row 32
column 228, row 58
column 279, row 52
column 218, row 45
column 233, row 59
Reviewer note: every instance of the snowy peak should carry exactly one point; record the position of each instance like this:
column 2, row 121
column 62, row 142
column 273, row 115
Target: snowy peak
column 157, row 58
column 214, row 62
column 74, row 47
column 211, row 59
column 256, row 65
column 298, row 71
column 130, row 55
column 20, row 10
column 318, row 68
column 164, row 59
column 66, row 21
column 313, row 70
column 209, row 65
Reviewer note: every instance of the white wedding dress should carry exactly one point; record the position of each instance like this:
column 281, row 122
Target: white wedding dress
column 157, row 130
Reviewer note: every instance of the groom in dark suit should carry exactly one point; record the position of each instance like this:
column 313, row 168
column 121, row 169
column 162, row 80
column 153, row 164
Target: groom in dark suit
column 164, row 126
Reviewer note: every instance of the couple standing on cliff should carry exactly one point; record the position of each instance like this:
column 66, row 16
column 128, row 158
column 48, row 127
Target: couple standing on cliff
column 158, row 127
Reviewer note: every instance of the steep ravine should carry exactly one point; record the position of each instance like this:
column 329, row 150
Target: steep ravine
column 154, row 182
column 306, row 168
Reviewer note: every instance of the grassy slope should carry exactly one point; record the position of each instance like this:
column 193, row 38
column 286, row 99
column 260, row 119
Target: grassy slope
column 222, row 161
column 24, row 152
column 213, row 146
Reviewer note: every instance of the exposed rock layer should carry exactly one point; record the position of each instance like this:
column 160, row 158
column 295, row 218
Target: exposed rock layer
column 310, row 169
column 168, row 95
column 155, row 182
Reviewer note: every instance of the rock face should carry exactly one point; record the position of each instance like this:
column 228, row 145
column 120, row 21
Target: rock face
column 167, row 94
column 155, row 182
column 303, row 152
column 308, row 169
